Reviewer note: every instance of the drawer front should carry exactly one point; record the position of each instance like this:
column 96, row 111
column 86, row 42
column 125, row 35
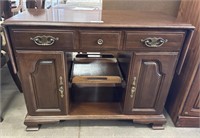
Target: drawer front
column 42, row 39
column 153, row 40
column 100, row 40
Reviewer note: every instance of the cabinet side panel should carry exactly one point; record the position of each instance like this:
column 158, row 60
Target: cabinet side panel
column 124, row 61
column 182, row 84
column 192, row 104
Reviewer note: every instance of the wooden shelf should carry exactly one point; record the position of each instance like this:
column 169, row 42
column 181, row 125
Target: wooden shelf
column 95, row 109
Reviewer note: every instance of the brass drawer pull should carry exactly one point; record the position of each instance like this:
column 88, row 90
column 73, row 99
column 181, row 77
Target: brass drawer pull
column 133, row 88
column 154, row 41
column 44, row 40
column 100, row 42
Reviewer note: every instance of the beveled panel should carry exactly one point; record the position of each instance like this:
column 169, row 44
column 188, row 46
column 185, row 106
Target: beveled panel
column 44, row 70
column 151, row 76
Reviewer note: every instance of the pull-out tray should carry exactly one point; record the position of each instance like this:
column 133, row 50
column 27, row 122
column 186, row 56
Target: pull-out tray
column 96, row 71
column 96, row 79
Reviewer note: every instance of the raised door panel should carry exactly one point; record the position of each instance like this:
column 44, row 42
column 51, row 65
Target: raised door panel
column 43, row 77
column 149, row 82
column 192, row 104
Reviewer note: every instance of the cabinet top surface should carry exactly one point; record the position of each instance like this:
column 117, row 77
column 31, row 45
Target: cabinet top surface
column 95, row 18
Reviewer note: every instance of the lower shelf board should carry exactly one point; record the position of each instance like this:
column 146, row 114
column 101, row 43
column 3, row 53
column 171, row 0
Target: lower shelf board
column 146, row 119
column 95, row 109
column 157, row 121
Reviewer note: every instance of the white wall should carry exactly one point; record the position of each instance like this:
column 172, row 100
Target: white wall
column 166, row 6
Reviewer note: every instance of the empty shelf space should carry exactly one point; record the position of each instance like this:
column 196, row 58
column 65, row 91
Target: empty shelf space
column 95, row 108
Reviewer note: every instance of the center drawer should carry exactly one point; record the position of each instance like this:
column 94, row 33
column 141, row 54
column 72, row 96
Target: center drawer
column 43, row 39
column 100, row 40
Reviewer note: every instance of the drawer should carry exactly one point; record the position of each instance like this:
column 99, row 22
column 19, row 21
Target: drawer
column 153, row 40
column 100, row 40
column 42, row 39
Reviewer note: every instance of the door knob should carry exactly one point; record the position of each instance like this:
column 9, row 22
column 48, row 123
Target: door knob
column 100, row 42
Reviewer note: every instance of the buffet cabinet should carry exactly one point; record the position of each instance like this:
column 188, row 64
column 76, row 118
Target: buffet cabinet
column 96, row 71
column 183, row 103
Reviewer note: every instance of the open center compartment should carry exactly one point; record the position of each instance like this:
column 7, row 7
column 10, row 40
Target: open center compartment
column 98, row 84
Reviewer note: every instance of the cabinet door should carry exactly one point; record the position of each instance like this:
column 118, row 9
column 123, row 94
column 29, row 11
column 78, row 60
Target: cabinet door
column 43, row 79
column 149, row 81
column 192, row 104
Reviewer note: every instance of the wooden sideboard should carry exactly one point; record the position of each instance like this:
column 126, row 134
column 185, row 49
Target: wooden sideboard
column 129, row 79
column 183, row 104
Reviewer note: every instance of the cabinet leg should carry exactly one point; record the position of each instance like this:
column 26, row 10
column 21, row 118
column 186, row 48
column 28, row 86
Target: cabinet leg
column 157, row 126
column 156, row 121
column 1, row 119
column 32, row 127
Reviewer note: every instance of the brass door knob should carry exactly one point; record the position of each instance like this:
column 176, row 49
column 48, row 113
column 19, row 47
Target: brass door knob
column 61, row 90
column 100, row 42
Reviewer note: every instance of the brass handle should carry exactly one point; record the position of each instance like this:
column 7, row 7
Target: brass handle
column 134, row 81
column 100, row 42
column 61, row 90
column 133, row 88
column 44, row 40
column 154, row 41
column 60, row 80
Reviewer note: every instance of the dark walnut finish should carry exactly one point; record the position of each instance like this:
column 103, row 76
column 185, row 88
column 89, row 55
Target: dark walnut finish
column 150, row 78
column 66, row 38
column 43, row 73
column 174, row 39
column 100, row 40
column 145, row 49
column 183, row 104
